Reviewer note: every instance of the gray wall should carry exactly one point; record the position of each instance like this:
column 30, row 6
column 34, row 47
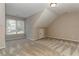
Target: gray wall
column 30, row 21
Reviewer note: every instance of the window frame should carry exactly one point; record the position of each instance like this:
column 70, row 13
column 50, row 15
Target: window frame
column 16, row 26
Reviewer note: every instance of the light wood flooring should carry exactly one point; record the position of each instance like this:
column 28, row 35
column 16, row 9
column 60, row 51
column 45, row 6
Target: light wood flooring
column 42, row 47
column 24, row 47
column 64, row 47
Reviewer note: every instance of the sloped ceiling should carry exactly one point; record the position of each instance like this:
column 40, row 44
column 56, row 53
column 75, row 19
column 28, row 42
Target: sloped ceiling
column 65, row 7
column 45, row 18
column 49, row 14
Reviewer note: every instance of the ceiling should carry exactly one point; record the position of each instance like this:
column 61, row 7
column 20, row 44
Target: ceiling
column 28, row 9
column 24, row 9
column 65, row 8
column 50, row 14
column 47, row 16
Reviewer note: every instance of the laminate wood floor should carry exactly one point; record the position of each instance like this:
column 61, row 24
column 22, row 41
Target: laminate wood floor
column 42, row 47
column 24, row 47
column 63, row 47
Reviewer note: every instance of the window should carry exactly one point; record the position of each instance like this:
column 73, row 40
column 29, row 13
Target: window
column 11, row 27
column 20, row 26
column 14, row 27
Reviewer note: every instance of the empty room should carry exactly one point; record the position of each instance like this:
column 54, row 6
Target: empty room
column 39, row 29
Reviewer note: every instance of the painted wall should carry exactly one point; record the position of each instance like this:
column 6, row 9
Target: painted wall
column 30, row 29
column 2, row 25
column 37, row 22
column 42, row 22
column 65, row 27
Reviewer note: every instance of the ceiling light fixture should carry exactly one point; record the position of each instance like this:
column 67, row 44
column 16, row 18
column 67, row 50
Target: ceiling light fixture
column 53, row 4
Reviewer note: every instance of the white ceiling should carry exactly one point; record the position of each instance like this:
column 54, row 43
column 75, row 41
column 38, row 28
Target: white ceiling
column 65, row 8
column 24, row 9
column 50, row 14
column 47, row 16
column 28, row 9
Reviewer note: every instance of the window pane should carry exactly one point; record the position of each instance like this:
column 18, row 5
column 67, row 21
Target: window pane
column 20, row 27
column 11, row 27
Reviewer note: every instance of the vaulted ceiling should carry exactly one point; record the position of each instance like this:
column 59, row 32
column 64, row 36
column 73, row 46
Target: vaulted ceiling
column 27, row 9
column 50, row 14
